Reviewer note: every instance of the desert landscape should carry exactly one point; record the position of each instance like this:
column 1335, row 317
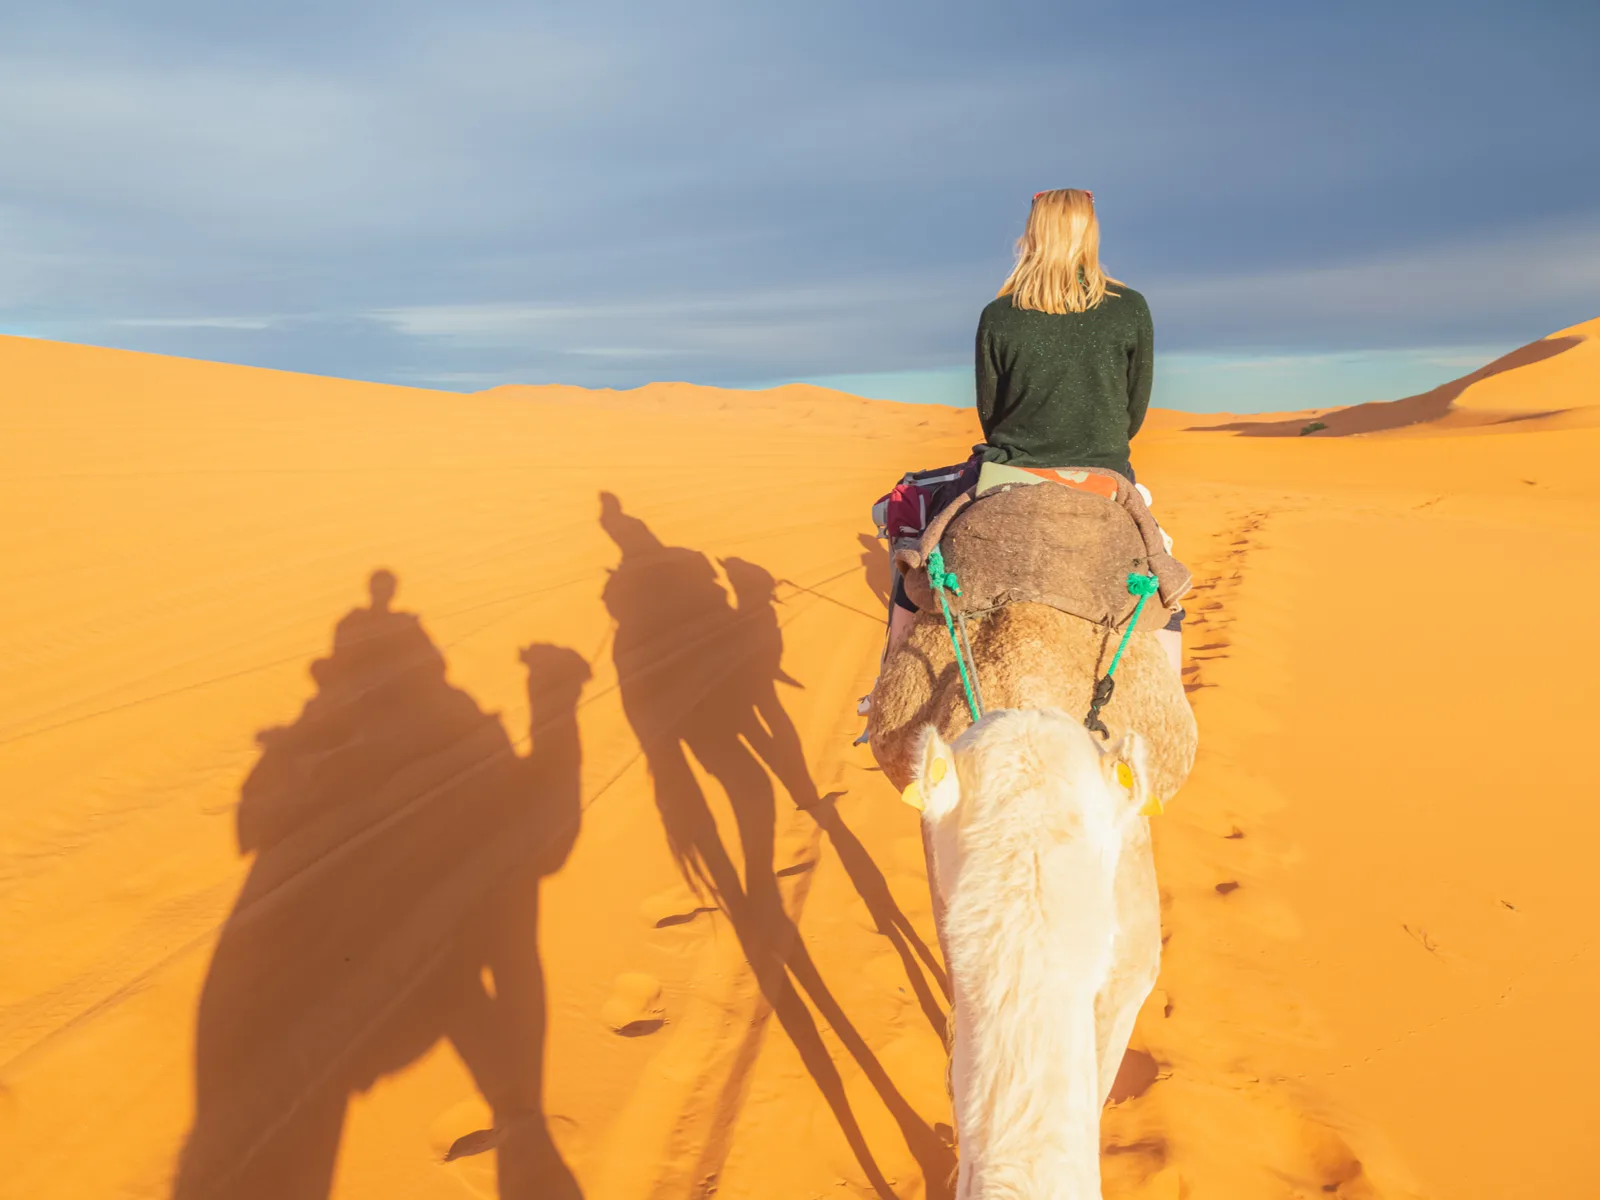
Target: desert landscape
column 413, row 794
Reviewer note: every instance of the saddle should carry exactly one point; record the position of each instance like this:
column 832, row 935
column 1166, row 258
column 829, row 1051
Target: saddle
column 1066, row 537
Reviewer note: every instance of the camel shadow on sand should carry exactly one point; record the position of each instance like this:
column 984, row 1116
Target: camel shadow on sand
column 698, row 675
column 875, row 567
column 393, row 901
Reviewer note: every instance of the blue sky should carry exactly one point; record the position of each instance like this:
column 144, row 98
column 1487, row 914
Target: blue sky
column 1322, row 203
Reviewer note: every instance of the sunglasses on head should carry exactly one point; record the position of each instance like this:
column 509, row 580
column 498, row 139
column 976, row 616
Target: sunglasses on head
column 1086, row 192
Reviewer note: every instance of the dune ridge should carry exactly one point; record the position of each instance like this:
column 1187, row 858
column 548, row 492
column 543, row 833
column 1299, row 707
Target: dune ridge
column 418, row 794
column 1516, row 387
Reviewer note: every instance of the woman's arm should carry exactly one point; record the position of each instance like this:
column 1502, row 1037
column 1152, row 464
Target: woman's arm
column 987, row 377
column 1141, row 370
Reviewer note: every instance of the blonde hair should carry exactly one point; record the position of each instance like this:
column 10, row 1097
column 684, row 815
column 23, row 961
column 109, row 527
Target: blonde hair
column 1058, row 256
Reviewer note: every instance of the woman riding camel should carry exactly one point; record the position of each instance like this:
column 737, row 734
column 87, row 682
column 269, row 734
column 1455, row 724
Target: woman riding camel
column 1064, row 363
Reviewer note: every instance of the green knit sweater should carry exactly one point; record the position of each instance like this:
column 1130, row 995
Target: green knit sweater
column 1064, row 389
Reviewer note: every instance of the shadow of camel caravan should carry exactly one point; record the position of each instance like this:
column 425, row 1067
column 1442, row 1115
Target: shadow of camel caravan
column 393, row 901
column 698, row 672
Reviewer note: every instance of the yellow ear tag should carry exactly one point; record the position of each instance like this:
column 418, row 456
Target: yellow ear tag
column 936, row 773
column 1125, row 775
column 913, row 795
column 1153, row 807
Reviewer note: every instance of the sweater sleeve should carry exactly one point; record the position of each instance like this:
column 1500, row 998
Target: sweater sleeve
column 987, row 378
column 1141, row 370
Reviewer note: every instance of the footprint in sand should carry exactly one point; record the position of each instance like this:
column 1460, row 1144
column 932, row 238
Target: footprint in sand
column 461, row 1136
column 634, row 1007
column 675, row 906
column 1330, row 1162
column 1137, row 1074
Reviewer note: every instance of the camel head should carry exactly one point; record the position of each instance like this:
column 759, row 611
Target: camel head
column 1041, row 857
column 1022, row 749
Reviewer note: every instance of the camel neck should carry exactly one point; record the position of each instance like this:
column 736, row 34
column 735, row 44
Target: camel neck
column 1039, row 1133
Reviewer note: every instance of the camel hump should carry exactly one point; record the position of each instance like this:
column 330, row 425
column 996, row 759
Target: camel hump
column 1069, row 547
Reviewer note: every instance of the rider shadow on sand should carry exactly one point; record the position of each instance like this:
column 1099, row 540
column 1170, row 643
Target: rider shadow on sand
column 399, row 845
column 698, row 675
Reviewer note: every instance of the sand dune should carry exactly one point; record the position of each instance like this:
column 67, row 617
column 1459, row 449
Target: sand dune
column 544, row 865
column 1550, row 382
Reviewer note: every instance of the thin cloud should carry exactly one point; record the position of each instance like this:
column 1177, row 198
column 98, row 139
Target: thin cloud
column 606, row 192
column 201, row 322
column 1459, row 286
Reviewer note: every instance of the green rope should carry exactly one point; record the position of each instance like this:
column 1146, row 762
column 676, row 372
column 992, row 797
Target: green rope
column 942, row 580
column 939, row 579
column 1142, row 586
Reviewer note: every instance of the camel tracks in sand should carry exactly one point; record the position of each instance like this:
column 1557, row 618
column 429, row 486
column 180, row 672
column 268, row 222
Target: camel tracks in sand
column 1423, row 938
column 1212, row 601
column 634, row 1006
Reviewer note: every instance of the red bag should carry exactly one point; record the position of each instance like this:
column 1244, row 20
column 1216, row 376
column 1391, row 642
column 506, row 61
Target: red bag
column 917, row 499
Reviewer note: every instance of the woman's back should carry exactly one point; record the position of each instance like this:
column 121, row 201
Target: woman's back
column 1065, row 354
column 1064, row 389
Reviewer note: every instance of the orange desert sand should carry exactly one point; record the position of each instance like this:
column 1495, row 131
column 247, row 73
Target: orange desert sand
column 311, row 890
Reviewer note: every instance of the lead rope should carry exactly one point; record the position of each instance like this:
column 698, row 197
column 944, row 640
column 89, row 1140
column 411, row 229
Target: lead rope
column 1142, row 586
column 939, row 579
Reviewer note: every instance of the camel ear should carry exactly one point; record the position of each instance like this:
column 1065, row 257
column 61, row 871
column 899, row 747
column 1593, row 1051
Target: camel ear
column 936, row 789
column 1127, row 771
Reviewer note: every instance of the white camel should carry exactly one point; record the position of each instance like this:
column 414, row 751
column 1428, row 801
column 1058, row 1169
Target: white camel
column 1041, row 854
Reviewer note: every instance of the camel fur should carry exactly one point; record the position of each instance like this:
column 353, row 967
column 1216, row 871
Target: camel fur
column 1029, row 822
